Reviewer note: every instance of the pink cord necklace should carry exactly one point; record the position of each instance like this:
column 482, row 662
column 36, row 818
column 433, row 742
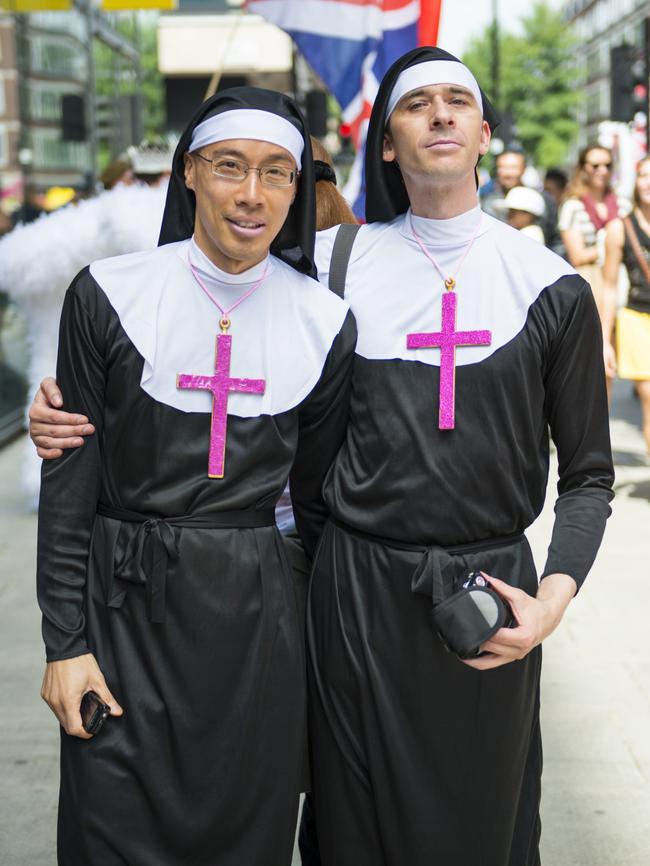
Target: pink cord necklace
column 221, row 384
column 448, row 337
column 224, row 321
column 450, row 282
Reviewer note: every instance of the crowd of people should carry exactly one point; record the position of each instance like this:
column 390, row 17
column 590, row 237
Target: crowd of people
column 603, row 235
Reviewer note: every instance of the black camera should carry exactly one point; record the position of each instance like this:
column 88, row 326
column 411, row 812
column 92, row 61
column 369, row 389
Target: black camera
column 469, row 617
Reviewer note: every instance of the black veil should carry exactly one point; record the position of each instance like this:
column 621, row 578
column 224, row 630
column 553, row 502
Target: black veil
column 295, row 242
column 386, row 195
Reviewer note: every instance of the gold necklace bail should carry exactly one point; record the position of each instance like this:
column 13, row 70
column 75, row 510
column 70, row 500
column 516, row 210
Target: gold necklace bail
column 224, row 324
column 450, row 284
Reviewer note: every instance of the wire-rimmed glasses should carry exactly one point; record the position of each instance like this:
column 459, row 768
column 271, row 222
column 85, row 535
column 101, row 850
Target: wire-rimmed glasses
column 237, row 171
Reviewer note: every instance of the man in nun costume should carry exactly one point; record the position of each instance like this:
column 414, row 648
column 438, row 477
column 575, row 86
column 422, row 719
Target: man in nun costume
column 473, row 342
column 211, row 367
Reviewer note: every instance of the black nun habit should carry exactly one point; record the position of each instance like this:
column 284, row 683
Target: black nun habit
column 177, row 581
column 417, row 758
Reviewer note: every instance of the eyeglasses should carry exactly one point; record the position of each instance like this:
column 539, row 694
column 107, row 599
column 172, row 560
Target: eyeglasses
column 597, row 165
column 233, row 169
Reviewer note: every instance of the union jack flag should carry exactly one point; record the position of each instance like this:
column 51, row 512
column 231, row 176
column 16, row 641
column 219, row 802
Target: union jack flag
column 350, row 44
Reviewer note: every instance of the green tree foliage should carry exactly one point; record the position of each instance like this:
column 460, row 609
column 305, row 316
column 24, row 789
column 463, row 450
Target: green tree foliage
column 153, row 98
column 116, row 77
column 538, row 75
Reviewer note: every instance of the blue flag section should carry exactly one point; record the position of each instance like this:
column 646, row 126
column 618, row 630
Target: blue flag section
column 350, row 44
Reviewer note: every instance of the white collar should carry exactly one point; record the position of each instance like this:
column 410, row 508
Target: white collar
column 214, row 275
column 452, row 232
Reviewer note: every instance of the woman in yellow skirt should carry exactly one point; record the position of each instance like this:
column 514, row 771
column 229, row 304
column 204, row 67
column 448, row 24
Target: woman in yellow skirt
column 628, row 240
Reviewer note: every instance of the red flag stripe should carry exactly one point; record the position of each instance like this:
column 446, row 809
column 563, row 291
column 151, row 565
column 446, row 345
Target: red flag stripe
column 429, row 26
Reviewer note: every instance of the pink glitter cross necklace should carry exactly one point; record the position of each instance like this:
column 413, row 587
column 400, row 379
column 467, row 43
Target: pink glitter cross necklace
column 222, row 383
column 448, row 337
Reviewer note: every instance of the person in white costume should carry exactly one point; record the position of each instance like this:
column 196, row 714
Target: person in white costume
column 40, row 259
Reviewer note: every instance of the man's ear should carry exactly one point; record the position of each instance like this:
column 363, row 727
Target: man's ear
column 486, row 136
column 296, row 187
column 388, row 153
column 188, row 169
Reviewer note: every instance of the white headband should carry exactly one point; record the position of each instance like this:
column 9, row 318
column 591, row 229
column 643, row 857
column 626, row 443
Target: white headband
column 433, row 72
column 249, row 123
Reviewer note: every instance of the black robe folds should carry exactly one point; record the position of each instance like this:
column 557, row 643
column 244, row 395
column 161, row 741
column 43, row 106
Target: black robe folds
column 417, row 758
column 179, row 583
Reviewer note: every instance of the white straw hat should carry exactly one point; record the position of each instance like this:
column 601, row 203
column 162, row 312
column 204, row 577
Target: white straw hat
column 524, row 198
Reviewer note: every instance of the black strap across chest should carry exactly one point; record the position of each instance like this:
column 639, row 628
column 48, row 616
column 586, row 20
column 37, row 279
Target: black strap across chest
column 341, row 252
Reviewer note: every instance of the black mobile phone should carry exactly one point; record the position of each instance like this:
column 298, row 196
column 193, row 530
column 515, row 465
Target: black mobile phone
column 94, row 712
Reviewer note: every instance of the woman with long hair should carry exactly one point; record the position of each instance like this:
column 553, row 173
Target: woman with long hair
column 331, row 208
column 590, row 204
column 628, row 241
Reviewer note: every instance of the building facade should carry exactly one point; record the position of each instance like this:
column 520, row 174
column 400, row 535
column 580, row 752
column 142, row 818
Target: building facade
column 208, row 45
column 9, row 122
column 44, row 58
column 600, row 25
column 52, row 55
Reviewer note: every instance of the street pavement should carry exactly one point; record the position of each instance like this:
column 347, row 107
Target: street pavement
column 595, row 690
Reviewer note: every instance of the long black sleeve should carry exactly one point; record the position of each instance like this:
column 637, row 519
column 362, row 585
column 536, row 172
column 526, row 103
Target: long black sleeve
column 70, row 484
column 576, row 407
column 322, row 426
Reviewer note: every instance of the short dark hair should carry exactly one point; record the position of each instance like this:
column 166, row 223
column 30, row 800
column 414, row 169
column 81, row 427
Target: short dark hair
column 509, row 151
column 558, row 176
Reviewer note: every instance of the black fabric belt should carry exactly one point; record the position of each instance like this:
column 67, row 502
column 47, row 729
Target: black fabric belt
column 428, row 576
column 146, row 558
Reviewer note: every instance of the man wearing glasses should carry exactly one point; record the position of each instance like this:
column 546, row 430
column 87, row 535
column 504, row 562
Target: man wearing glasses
column 212, row 367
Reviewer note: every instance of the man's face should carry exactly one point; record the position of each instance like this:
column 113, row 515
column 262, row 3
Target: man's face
column 437, row 133
column 520, row 219
column 510, row 169
column 236, row 221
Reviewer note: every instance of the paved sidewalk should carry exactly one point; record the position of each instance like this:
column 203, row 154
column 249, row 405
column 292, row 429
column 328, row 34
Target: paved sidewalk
column 595, row 696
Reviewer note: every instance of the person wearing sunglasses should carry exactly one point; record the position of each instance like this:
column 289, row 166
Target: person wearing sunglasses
column 626, row 331
column 590, row 203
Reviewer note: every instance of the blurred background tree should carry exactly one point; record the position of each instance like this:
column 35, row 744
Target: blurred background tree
column 116, row 79
column 536, row 82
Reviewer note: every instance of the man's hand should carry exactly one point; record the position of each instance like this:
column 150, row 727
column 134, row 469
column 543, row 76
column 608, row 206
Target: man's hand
column 536, row 619
column 64, row 685
column 609, row 356
column 50, row 428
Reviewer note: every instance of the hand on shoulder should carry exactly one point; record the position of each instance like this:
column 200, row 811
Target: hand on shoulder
column 51, row 429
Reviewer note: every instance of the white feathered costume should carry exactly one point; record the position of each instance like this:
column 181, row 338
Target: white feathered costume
column 38, row 262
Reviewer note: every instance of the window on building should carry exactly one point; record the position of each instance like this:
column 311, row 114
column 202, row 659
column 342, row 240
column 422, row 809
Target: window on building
column 50, row 152
column 71, row 23
column 44, row 101
column 50, row 56
column 593, row 105
column 594, row 65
